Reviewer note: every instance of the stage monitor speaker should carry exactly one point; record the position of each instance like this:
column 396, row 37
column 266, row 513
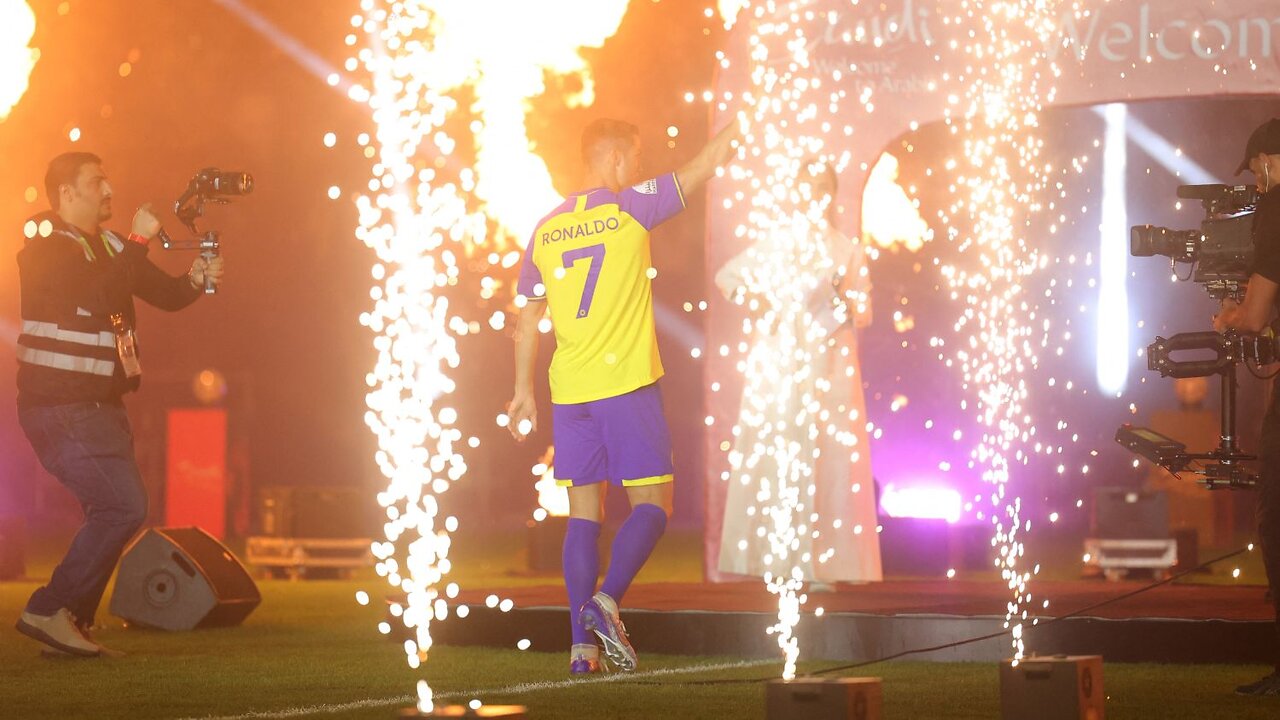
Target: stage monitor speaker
column 180, row 579
column 1061, row 687
column 823, row 699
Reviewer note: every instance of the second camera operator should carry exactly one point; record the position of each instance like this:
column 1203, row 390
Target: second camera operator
column 1262, row 157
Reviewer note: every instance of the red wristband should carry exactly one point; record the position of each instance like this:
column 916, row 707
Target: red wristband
column 135, row 237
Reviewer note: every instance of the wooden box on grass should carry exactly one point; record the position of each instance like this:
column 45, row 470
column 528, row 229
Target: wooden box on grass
column 823, row 699
column 1062, row 687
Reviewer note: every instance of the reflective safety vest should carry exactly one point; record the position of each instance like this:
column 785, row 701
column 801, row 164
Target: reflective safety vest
column 66, row 352
column 73, row 351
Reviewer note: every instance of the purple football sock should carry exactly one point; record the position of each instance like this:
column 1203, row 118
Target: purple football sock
column 581, row 558
column 631, row 548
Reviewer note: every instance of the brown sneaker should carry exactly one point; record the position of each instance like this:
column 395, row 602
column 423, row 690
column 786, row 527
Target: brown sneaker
column 57, row 631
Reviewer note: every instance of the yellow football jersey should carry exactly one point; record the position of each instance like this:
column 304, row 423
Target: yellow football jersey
column 590, row 260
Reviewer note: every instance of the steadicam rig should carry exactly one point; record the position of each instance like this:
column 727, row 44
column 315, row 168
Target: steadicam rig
column 1224, row 465
column 1220, row 253
column 208, row 185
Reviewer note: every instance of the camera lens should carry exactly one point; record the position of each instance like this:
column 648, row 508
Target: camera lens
column 233, row 183
column 1142, row 240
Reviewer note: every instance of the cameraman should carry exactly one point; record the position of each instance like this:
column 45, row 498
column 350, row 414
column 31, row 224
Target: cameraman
column 1262, row 157
column 77, row 357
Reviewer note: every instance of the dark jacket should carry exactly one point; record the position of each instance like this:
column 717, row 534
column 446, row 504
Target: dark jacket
column 71, row 285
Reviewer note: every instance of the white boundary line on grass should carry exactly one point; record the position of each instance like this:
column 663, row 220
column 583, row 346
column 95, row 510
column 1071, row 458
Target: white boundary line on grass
column 520, row 689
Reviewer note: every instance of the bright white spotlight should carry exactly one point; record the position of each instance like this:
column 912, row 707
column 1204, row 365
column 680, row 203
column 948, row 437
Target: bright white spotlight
column 1112, row 341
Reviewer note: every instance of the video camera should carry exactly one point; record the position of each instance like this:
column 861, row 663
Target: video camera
column 1221, row 251
column 208, row 185
column 1221, row 255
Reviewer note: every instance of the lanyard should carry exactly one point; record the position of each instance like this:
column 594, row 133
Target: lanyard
column 88, row 250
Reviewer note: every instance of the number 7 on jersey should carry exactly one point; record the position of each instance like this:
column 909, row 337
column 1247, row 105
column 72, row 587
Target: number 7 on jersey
column 596, row 253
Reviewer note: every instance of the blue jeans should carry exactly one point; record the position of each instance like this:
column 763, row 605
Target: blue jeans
column 88, row 447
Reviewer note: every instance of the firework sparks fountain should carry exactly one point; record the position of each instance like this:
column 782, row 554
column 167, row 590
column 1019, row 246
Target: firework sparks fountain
column 782, row 411
column 1008, row 80
column 426, row 209
column 801, row 110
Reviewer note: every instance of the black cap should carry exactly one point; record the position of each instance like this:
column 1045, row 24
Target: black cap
column 1264, row 140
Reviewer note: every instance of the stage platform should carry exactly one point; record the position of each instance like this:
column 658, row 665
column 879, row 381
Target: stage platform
column 1177, row 623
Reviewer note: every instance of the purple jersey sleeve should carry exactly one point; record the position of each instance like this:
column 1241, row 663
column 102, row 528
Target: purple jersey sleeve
column 653, row 202
column 530, row 284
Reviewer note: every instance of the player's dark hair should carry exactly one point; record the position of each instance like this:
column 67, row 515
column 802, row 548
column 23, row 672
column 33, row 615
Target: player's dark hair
column 606, row 134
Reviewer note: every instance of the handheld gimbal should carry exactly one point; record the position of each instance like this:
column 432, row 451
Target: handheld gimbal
column 208, row 185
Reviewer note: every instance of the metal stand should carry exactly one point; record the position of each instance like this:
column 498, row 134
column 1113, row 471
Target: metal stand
column 294, row 558
column 1116, row 556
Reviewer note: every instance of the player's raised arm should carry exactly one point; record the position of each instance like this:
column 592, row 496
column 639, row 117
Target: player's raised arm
column 715, row 153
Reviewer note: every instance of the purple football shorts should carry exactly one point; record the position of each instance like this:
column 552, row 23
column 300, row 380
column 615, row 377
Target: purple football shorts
column 622, row 439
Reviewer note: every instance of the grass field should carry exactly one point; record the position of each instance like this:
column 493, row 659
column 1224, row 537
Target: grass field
column 311, row 651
